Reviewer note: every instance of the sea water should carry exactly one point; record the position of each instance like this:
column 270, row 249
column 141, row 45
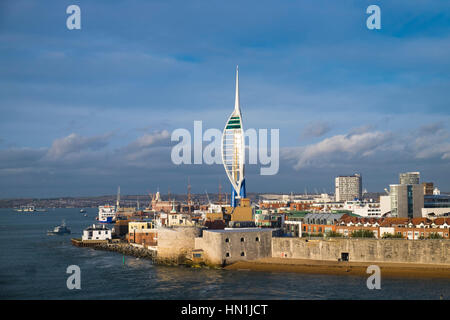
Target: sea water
column 33, row 266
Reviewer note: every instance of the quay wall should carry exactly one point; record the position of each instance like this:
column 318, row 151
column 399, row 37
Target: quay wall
column 222, row 247
column 364, row 250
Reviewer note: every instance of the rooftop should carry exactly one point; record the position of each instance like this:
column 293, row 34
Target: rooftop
column 231, row 230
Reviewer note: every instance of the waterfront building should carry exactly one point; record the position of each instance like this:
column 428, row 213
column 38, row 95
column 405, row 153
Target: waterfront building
column 348, row 224
column 96, row 232
column 142, row 233
column 139, row 225
column 415, row 228
column 348, row 188
column 409, row 178
column 406, row 228
column 407, row 200
column 315, row 223
column 120, row 228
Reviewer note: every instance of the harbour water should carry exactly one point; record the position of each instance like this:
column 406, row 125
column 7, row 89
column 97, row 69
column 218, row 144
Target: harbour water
column 33, row 266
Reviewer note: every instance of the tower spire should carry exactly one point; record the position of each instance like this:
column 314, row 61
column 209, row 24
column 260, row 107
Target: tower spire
column 236, row 102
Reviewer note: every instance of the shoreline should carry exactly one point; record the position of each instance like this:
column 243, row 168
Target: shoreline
column 397, row 270
column 304, row 266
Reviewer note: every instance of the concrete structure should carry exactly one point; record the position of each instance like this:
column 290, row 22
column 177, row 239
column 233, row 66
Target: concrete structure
column 409, row 178
column 385, row 205
column 348, row 188
column 221, row 247
column 364, row 250
column 176, row 244
column 407, row 200
column 96, row 232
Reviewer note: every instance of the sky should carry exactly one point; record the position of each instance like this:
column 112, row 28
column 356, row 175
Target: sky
column 84, row 111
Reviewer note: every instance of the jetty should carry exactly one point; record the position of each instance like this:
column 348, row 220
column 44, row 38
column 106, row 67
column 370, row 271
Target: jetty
column 116, row 245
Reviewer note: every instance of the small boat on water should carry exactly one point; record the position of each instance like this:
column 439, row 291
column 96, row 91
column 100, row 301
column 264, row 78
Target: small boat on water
column 59, row 230
column 30, row 209
column 26, row 209
column 82, row 211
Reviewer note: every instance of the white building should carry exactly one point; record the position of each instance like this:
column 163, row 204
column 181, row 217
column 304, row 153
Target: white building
column 96, row 232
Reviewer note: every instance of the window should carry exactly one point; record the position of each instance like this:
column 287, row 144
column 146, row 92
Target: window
column 227, row 254
column 227, row 240
column 242, row 254
column 242, row 239
column 257, row 239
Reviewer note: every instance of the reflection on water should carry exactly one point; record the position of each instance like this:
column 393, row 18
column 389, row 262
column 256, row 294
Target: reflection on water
column 33, row 266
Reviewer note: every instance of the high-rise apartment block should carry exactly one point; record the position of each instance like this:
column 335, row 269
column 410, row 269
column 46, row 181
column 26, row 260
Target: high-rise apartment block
column 409, row 178
column 348, row 188
column 406, row 200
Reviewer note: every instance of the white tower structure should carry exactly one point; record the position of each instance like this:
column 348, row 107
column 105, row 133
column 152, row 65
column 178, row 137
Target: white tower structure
column 118, row 199
column 233, row 152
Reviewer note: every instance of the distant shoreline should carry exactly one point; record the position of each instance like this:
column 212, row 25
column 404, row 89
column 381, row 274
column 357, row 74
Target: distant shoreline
column 397, row 270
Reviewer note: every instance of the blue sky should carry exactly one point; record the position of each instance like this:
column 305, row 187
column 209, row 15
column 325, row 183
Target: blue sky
column 83, row 111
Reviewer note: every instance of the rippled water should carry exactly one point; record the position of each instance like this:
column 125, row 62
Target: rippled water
column 33, row 266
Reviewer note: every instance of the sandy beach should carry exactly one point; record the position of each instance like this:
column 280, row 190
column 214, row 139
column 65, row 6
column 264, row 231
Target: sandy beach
column 342, row 268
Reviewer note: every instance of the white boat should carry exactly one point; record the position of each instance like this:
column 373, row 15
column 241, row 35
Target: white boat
column 106, row 214
column 26, row 209
column 59, row 230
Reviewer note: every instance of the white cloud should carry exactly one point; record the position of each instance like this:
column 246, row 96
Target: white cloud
column 354, row 145
column 75, row 143
column 148, row 140
column 316, row 129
